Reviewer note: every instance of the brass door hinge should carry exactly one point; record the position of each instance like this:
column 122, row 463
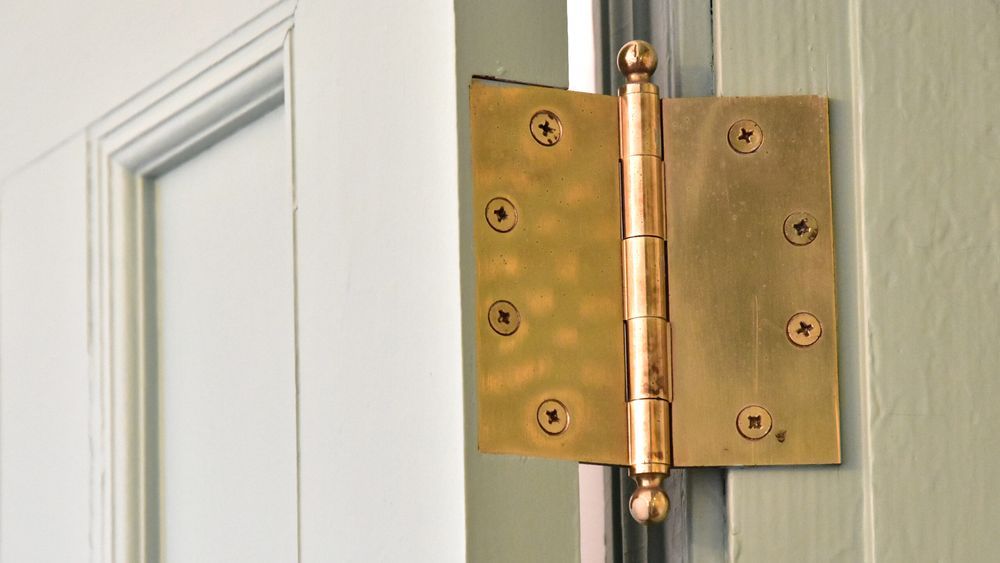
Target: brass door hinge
column 655, row 278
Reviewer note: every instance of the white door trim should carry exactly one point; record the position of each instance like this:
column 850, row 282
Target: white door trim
column 229, row 85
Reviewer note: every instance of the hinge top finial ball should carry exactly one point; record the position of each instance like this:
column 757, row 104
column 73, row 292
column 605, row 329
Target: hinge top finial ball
column 637, row 61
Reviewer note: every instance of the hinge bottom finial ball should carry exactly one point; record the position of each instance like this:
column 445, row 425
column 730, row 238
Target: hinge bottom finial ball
column 649, row 504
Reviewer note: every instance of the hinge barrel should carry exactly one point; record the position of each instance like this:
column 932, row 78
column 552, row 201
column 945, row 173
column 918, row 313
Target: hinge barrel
column 644, row 258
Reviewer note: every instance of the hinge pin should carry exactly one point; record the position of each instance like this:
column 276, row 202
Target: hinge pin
column 645, row 290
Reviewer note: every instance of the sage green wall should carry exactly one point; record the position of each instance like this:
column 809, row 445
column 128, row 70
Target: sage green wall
column 915, row 150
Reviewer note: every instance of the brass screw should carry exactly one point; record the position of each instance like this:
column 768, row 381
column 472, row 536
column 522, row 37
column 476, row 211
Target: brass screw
column 504, row 318
column 501, row 214
column 745, row 136
column 801, row 228
column 804, row 329
column 546, row 128
column 753, row 422
column 552, row 416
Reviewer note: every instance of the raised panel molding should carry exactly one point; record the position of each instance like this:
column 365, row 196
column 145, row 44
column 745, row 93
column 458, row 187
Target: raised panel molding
column 236, row 81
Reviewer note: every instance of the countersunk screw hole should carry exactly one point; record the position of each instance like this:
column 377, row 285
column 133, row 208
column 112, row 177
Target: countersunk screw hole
column 803, row 329
column 552, row 417
column 504, row 318
column 753, row 422
column 545, row 127
column 800, row 228
column 745, row 136
column 501, row 214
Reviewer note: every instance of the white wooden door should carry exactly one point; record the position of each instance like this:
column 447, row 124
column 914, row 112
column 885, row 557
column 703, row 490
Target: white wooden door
column 232, row 273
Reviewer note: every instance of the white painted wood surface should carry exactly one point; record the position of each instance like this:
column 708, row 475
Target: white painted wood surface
column 914, row 144
column 389, row 467
column 45, row 445
column 226, row 351
column 382, row 468
column 107, row 50
column 227, row 86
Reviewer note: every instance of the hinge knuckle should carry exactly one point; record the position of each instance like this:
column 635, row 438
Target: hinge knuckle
column 651, row 454
column 645, row 262
column 643, row 208
column 648, row 357
column 639, row 111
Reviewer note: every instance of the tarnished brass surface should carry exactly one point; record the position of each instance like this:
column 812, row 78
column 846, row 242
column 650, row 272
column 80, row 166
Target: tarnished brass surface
column 645, row 277
column 561, row 265
column 637, row 108
column 650, row 450
column 649, row 357
column 645, row 290
column 643, row 208
column 735, row 281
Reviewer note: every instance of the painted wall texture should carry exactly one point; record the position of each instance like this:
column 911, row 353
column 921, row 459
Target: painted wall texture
column 917, row 199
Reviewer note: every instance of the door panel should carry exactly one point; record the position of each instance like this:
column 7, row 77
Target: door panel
column 226, row 350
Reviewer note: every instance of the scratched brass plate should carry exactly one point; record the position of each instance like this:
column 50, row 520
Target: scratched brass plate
column 735, row 282
column 559, row 265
